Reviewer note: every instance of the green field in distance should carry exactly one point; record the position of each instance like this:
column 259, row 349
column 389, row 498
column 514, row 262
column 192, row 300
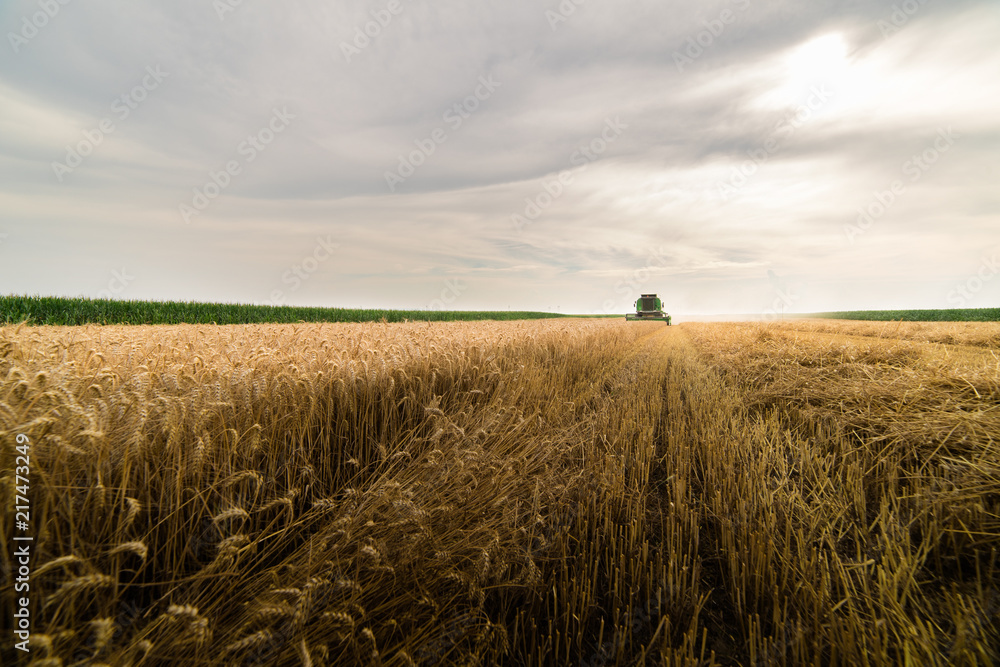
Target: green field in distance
column 35, row 310
column 952, row 315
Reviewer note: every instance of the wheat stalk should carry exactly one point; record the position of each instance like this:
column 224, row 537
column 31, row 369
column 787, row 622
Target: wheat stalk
column 79, row 585
column 136, row 547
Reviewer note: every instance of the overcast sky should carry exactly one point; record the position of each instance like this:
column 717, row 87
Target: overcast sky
column 743, row 156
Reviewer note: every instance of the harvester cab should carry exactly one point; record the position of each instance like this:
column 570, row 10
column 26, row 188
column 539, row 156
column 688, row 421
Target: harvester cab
column 648, row 308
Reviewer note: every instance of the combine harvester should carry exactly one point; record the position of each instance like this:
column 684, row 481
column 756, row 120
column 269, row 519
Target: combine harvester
column 648, row 308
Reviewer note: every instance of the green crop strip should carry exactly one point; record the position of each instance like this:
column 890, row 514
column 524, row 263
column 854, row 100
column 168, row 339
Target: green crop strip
column 37, row 310
column 952, row 315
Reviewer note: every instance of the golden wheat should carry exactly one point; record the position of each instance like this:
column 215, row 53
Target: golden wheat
column 531, row 493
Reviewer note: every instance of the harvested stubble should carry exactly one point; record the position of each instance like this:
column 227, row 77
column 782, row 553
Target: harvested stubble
column 977, row 334
column 545, row 493
column 878, row 493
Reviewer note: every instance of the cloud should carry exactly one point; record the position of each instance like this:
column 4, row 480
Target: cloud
column 754, row 151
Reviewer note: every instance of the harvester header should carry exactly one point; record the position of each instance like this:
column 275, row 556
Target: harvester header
column 648, row 307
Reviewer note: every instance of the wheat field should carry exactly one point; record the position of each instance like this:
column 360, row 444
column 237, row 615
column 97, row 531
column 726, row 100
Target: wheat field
column 555, row 492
